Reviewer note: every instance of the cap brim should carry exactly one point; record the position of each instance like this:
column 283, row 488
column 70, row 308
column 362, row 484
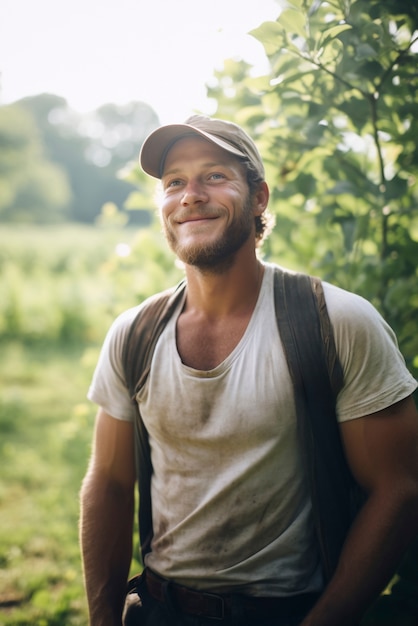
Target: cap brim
column 158, row 143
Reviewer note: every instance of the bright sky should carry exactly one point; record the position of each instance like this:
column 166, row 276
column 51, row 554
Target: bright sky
column 91, row 52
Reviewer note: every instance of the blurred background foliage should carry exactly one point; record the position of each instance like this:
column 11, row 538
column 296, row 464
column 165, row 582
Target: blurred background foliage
column 336, row 119
column 57, row 165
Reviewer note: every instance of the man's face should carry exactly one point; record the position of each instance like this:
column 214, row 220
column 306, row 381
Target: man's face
column 206, row 210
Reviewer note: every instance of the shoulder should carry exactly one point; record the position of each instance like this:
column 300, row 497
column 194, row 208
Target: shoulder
column 358, row 326
column 355, row 320
column 339, row 299
column 375, row 374
column 345, row 308
column 109, row 387
column 123, row 322
column 343, row 304
column 119, row 328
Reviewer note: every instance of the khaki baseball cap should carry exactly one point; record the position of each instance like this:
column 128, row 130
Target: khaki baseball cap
column 226, row 135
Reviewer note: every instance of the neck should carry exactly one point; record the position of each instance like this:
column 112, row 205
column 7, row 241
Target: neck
column 221, row 293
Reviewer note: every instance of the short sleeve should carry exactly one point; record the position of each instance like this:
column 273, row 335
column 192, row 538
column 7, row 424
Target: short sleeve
column 108, row 387
column 375, row 374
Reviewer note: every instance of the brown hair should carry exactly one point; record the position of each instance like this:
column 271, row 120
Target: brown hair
column 264, row 223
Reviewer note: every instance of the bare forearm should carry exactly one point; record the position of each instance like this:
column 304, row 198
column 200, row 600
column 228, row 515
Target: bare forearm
column 370, row 556
column 106, row 543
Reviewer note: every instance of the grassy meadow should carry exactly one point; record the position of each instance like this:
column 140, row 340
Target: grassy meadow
column 60, row 289
column 46, row 427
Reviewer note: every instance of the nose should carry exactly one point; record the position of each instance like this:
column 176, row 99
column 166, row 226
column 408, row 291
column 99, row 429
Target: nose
column 194, row 193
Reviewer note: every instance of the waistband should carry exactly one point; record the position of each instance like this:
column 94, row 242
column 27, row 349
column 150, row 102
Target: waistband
column 220, row 606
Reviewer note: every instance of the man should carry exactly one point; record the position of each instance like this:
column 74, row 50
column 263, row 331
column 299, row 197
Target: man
column 233, row 539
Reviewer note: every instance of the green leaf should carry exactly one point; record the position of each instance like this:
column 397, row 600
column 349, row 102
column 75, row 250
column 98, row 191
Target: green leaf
column 330, row 52
column 297, row 4
column 332, row 33
column 348, row 227
column 271, row 35
column 358, row 110
column 365, row 51
column 344, row 187
column 396, row 188
column 293, row 22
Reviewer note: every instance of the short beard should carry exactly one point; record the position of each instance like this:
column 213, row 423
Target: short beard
column 217, row 257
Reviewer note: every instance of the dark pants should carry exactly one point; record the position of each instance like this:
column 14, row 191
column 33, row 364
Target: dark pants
column 141, row 609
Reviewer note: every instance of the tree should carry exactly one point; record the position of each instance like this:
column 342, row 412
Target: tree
column 234, row 93
column 337, row 123
column 119, row 131
column 91, row 148
column 32, row 188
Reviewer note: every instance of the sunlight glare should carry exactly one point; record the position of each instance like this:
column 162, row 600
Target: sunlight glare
column 119, row 52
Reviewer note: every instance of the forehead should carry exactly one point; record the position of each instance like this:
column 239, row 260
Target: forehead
column 194, row 148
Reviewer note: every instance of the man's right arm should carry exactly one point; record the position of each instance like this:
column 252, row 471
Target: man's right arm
column 106, row 524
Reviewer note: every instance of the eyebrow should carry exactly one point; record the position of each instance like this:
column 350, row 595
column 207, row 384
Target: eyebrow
column 208, row 164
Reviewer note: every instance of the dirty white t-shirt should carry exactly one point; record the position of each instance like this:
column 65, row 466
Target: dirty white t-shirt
column 231, row 510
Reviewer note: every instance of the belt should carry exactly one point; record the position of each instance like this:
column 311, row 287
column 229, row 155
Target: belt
column 216, row 606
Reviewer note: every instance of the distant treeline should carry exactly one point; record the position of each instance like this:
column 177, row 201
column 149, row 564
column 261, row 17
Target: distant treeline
column 57, row 165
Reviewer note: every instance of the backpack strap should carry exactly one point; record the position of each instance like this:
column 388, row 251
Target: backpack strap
column 144, row 333
column 137, row 355
column 306, row 333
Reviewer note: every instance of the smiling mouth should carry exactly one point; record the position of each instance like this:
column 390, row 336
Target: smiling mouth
column 198, row 218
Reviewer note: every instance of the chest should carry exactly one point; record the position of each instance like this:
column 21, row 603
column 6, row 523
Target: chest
column 220, row 377
column 247, row 397
column 203, row 346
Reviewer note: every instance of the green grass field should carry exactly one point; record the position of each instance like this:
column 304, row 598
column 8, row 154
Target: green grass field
column 46, row 427
column 60, row 289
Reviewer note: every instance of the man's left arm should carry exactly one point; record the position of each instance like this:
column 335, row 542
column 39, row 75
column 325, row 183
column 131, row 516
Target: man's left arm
column 382, row 451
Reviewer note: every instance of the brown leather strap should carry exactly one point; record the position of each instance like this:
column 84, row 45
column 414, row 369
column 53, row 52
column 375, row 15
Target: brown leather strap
column 185, row 599
column 217, row 606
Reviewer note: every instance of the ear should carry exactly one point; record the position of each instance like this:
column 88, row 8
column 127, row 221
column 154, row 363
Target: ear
column 261, row 199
